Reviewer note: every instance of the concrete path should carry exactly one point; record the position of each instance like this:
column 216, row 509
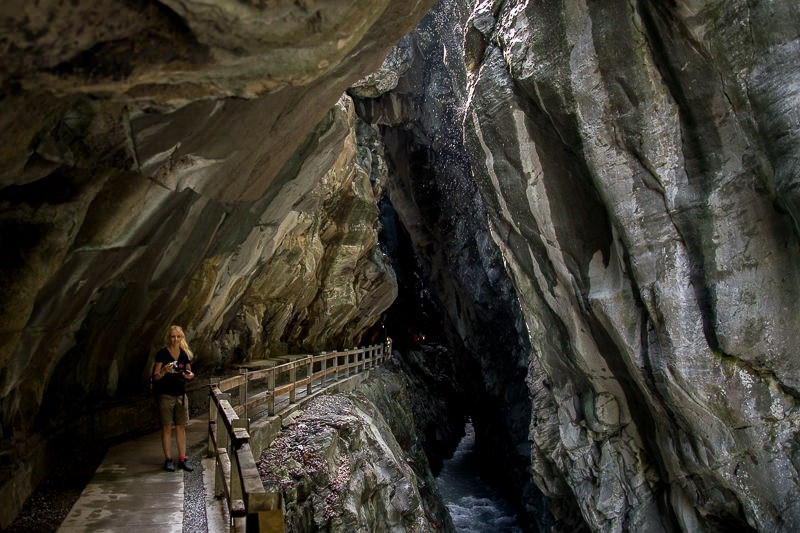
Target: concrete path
column 131, row 491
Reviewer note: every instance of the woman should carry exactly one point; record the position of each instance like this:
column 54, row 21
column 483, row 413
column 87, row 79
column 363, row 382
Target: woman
column 171, row 371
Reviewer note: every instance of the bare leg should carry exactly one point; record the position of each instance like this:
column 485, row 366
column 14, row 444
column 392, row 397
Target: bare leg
column 180, row 436
column 166, row 441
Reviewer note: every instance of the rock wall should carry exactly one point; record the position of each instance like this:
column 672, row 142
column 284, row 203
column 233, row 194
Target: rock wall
column 637, row 163
column 350, row 462
column 177, row 162
column 604, row 196
column 459, row 271
column 648, row 216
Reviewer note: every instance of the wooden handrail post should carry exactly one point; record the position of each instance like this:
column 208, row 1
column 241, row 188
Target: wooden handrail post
column 310, row 375
column 293, row 381
column 223, row 442
column 271, row 392
column 222, row 436
column 212, row 420
column 324, row 369
column 243, row 392
column 236, row 487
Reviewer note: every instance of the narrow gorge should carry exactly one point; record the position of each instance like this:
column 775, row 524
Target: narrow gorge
column 579, row 222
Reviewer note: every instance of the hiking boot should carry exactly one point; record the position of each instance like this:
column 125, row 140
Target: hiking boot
column 169, row 466
column 184, row 465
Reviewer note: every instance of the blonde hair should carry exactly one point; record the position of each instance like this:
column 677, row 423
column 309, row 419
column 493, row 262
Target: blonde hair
column 184, row 344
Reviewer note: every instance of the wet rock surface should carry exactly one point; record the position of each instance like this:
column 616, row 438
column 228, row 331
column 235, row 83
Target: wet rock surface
column 603, row 195
column 340, row 468
column 166, row 163
column 637, row 169
column 658, row 288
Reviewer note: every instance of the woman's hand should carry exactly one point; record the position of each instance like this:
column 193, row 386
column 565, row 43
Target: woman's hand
column 188, row 375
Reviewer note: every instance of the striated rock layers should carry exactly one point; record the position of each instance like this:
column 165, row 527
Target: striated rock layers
column 604, row 194
column 463, row 276
column 177, row 162
column 350, row 462
column 638, row 167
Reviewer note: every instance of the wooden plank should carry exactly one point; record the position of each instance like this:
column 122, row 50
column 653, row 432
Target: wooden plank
column 283, row 389
column 228, row 414
column 223, row 474
column 240, row 435
column 231, row 383
column 251, row 480
column 320, row 357
column 302, row 382
column 280, row 369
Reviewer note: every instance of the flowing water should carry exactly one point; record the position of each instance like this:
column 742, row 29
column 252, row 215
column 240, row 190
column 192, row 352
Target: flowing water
column 474, row 506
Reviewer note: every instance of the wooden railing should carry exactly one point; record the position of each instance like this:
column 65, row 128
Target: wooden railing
column 254, row 393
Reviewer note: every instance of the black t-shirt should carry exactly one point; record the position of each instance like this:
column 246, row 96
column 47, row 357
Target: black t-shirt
column 173, row 383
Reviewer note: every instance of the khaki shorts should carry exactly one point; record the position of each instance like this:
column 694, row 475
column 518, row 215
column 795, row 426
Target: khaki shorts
column 173, row 410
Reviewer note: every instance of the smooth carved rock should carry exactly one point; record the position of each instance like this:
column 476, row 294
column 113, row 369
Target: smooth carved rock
column 637, row 164
column 633, row 188
column 604, row 194
column 175, row 52
column 165, row 162
column 435, row 197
